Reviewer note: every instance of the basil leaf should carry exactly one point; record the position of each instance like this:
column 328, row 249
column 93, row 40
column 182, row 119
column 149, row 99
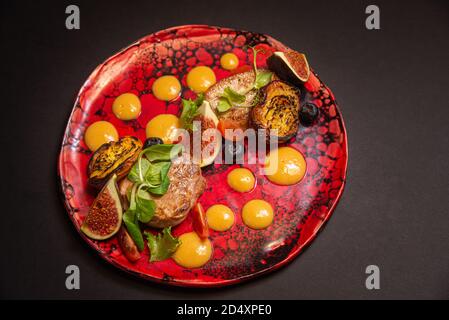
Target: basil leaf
column 165, row 181
column 153, row 176
column 161, row 246
column 223, row 105
column 162, row 188
column 163, row 168
column 262, row 79
column 233, row 96
column 162, row 152
column 145, row 206
column 134, row 175
column 129, row 218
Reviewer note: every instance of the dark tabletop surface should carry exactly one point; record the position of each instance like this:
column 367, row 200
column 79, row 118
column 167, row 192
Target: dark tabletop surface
column 392, row 88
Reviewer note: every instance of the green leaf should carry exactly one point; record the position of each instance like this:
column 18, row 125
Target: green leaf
column 129, row 218
column 190, row 110
column 262, row 79
column 153, row 176
column 223, row 105
column 145, row 206
column 162, row 188
column 150, row 176
column 161, row 246
column 164, row 170
column 132, row 198
column 228, row 98
column 199, row 99
column 188, row 107
column 233, row 96
column 162, row 152
column 133, row 175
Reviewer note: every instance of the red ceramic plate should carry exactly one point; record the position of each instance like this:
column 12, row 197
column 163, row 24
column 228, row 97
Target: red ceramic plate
column 240, row 253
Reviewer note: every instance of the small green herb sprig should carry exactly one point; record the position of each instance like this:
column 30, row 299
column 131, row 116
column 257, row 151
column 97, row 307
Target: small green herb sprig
column 231, row 98
column 190, row 111
column 150, row 177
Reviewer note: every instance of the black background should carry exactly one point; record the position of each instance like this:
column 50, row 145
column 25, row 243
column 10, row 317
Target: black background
column 392, row 88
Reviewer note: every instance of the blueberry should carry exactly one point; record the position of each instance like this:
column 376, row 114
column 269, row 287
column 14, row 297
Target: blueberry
column 152, row 141
column 308, row 114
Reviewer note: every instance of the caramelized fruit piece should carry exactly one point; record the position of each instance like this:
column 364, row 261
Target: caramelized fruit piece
column 127, row 245
column 113, row 158
column 279, row 110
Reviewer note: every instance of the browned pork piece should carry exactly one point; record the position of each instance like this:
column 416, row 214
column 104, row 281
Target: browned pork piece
column 186, row 185
column 241, row 83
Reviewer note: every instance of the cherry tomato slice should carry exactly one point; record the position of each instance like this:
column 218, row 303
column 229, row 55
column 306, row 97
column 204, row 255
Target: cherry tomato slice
column 224, row 124
column 242, row 69
column 199, row 221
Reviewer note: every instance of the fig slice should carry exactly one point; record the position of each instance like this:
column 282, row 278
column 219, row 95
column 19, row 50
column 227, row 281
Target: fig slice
column 105, row 214
column 207, row 112
column 210, row 144
column 291, row 66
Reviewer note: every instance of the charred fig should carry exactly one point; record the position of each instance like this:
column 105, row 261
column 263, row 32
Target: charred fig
column 278, row 112
column 113, row 158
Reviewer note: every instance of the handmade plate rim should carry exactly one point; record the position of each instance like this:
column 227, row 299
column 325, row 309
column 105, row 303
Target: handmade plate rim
column 195, row 283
